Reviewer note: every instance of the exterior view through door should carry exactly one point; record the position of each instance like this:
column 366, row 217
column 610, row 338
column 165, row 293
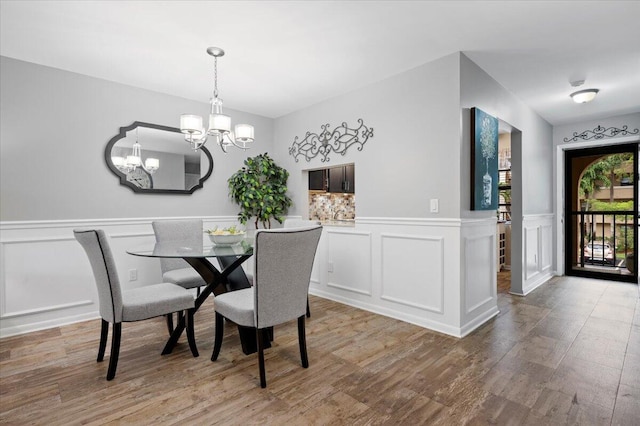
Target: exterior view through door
column 601, row 212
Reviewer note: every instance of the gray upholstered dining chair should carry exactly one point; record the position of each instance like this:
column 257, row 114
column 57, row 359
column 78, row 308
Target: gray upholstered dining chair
column 118, row 305
column 178, row 271
column 283, row 259
column 298, row 223
column 292, row 223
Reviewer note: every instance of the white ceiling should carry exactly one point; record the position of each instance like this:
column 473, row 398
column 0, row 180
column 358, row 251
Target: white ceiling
column 282, row 56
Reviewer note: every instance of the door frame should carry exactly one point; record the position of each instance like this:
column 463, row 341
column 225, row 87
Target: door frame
column 560, row 181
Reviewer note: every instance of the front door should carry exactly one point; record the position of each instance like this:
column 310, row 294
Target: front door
column 601, row 212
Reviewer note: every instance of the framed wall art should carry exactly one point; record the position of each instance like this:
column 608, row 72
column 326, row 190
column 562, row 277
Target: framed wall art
column 484, row 161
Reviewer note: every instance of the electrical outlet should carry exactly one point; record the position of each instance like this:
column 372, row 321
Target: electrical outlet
column 330, row 266
column 133, row 274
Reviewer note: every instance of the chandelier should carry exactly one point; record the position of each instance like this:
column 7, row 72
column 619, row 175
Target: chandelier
column 219, row 123
column 131, row 162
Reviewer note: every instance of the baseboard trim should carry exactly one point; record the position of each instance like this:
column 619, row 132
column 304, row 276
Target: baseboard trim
column 9, row 315
column 478, row 321
column 421, row 322
column 540, row 279
column 45, row 325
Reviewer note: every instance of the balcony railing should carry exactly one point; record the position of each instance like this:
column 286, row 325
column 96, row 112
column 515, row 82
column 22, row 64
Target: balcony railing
column 601, row 228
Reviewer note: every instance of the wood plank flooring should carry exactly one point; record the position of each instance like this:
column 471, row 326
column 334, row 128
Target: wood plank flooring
column 569, row 353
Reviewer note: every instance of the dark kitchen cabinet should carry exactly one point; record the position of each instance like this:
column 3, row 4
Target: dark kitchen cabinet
column 318, row 180
column 342, row 179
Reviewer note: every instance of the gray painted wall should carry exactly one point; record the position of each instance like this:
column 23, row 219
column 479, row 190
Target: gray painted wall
column 421, row 145
column 413, row 154
column 55, row 126
column 531, row 157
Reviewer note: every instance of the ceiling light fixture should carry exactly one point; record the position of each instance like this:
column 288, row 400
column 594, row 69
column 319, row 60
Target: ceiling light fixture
column 584, row 96
column 219, row 123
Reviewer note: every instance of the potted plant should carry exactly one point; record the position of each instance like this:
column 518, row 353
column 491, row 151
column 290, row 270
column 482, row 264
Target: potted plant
column 260, row 189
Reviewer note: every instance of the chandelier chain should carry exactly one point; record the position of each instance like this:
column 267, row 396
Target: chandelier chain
column 215, row 77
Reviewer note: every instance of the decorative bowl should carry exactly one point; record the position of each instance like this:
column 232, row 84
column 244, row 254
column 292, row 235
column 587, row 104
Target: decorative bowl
column 226, row 239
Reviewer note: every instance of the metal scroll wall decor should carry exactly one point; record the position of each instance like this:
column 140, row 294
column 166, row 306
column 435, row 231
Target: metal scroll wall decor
column 338, row 140
column 601, row 133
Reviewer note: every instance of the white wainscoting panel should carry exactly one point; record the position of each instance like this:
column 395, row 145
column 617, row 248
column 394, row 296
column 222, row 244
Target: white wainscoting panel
column 546, row 247
column 531, row 243
column 404, row 268
column 480, row 265
column 315, row 272
column 54, row 278
column 478, row 289
column 349, row 260
column 436, row 273
column 538, row 252
column 45, row 276
column 413, row 271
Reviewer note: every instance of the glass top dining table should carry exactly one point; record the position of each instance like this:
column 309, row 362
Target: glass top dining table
column 230, row 277
column 182, row 249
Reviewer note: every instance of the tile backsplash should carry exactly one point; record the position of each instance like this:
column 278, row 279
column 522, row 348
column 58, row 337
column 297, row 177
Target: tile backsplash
column 327, row 206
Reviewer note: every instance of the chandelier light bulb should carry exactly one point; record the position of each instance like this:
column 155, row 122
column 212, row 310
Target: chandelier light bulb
column 191, row 124
column 244, row 133
column 133, row 161
column 119, row 162
column 151, row 165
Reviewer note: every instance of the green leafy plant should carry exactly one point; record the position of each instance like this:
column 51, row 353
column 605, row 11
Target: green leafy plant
column 603, row 174
column 260, row 189
column 609, row 206
column 624, row 240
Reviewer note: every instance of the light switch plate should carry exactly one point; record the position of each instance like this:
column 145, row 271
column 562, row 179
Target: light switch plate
column 434, row 207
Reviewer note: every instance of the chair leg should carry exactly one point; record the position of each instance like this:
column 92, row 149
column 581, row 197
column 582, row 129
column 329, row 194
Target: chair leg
column 303, row 342
column 104, row 331
column 263, row 376
column 190, row 333
column 170, row 323
column 308, row 311
column 115, row 350
column 218, row 337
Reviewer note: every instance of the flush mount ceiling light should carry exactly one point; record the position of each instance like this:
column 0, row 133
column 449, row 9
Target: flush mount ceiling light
column 219, row 123
column 584, row 96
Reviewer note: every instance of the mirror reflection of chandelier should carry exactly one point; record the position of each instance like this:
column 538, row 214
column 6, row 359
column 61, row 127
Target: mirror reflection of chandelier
column 219, row 123
column 131, row 162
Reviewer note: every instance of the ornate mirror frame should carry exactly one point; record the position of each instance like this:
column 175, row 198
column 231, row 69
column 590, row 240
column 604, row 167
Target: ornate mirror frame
column 123, row 177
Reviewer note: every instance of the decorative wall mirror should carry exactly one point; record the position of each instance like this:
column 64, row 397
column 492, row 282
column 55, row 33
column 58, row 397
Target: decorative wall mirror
column 150, row 158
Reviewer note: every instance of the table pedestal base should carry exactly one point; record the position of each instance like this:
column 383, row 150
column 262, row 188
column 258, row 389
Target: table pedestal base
column 231, row 278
